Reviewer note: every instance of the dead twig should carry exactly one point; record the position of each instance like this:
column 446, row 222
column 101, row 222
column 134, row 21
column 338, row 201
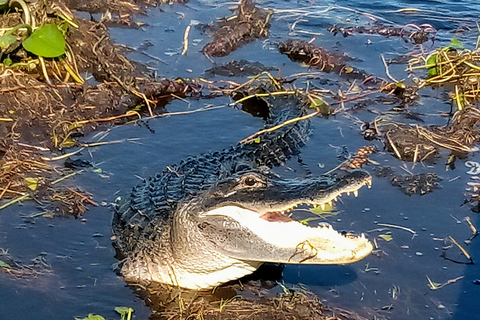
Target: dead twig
column 435, row 286
column 414, row 233
column 83, row 197
column 289, row 121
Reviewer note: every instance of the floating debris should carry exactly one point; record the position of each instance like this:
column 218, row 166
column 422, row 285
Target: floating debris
column 421, row 183
column 452, row 65
column 251, row 300
column 239, row 68
column 308, row 53
column 360, row 158
column 416, row 34
column 248, row 24
column 417, row 143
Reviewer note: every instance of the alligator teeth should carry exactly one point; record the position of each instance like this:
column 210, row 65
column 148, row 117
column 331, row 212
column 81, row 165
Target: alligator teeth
column 355, row 193
column 369, row 184
column 348, row 193
column 322, row 206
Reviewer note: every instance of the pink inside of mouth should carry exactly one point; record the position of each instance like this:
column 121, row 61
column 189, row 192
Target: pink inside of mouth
column 275, row 217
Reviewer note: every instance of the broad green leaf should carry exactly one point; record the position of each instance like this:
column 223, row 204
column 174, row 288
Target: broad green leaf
column 32, row 183
column 122, row 310
column 386, row 237
column 125, row 312
column 6, row 40
column 3, row 264
column 455, row 43
column 46, row 41
column 7, row 62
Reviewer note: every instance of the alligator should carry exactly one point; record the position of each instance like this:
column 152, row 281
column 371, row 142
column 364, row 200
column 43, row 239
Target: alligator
column 217, row 217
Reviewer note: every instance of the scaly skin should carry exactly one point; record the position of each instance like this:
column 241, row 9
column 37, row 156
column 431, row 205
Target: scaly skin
column 219, row 216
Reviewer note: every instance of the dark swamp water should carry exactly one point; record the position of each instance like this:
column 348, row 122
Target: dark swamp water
column 80, row 254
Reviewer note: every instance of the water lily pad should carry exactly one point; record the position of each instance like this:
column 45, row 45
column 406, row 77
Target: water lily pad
column 46, row 41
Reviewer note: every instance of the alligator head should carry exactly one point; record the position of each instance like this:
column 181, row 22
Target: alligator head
column 243, row 221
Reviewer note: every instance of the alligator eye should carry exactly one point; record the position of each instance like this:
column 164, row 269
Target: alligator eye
column 250, row 181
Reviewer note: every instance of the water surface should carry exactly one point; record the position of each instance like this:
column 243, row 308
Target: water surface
column 393, row 286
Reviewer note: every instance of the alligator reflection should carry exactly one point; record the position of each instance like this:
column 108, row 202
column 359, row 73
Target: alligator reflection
column 256, row 296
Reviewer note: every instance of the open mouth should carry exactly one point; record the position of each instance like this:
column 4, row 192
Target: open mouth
column 294, row 242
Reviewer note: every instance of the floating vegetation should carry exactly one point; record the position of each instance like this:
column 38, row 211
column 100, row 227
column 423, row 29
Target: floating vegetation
column 37, row 266
column 308, row 53
column 239, row 68
column 455, row 66
column 416, row 34
column 248, row 24
column 421, row 183
column 60, row 79
column 418, row 143
column 228, row 303
column 118, row 11
column 360, row 158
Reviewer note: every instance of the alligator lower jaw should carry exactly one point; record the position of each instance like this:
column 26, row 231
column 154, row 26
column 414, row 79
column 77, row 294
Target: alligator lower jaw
column 294, row 242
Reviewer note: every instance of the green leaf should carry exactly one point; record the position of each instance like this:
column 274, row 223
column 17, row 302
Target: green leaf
column 122, row 310
column 68, row 143
column 91, row 317
column 32, row 183
column 3, row 264
column 6, row 40
column 46, row 41
column 432, row 65
column 321, row 105
column 7, row 62
column 125, row 312
column 319, row 210
column 455, row 43
column 386, row 237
